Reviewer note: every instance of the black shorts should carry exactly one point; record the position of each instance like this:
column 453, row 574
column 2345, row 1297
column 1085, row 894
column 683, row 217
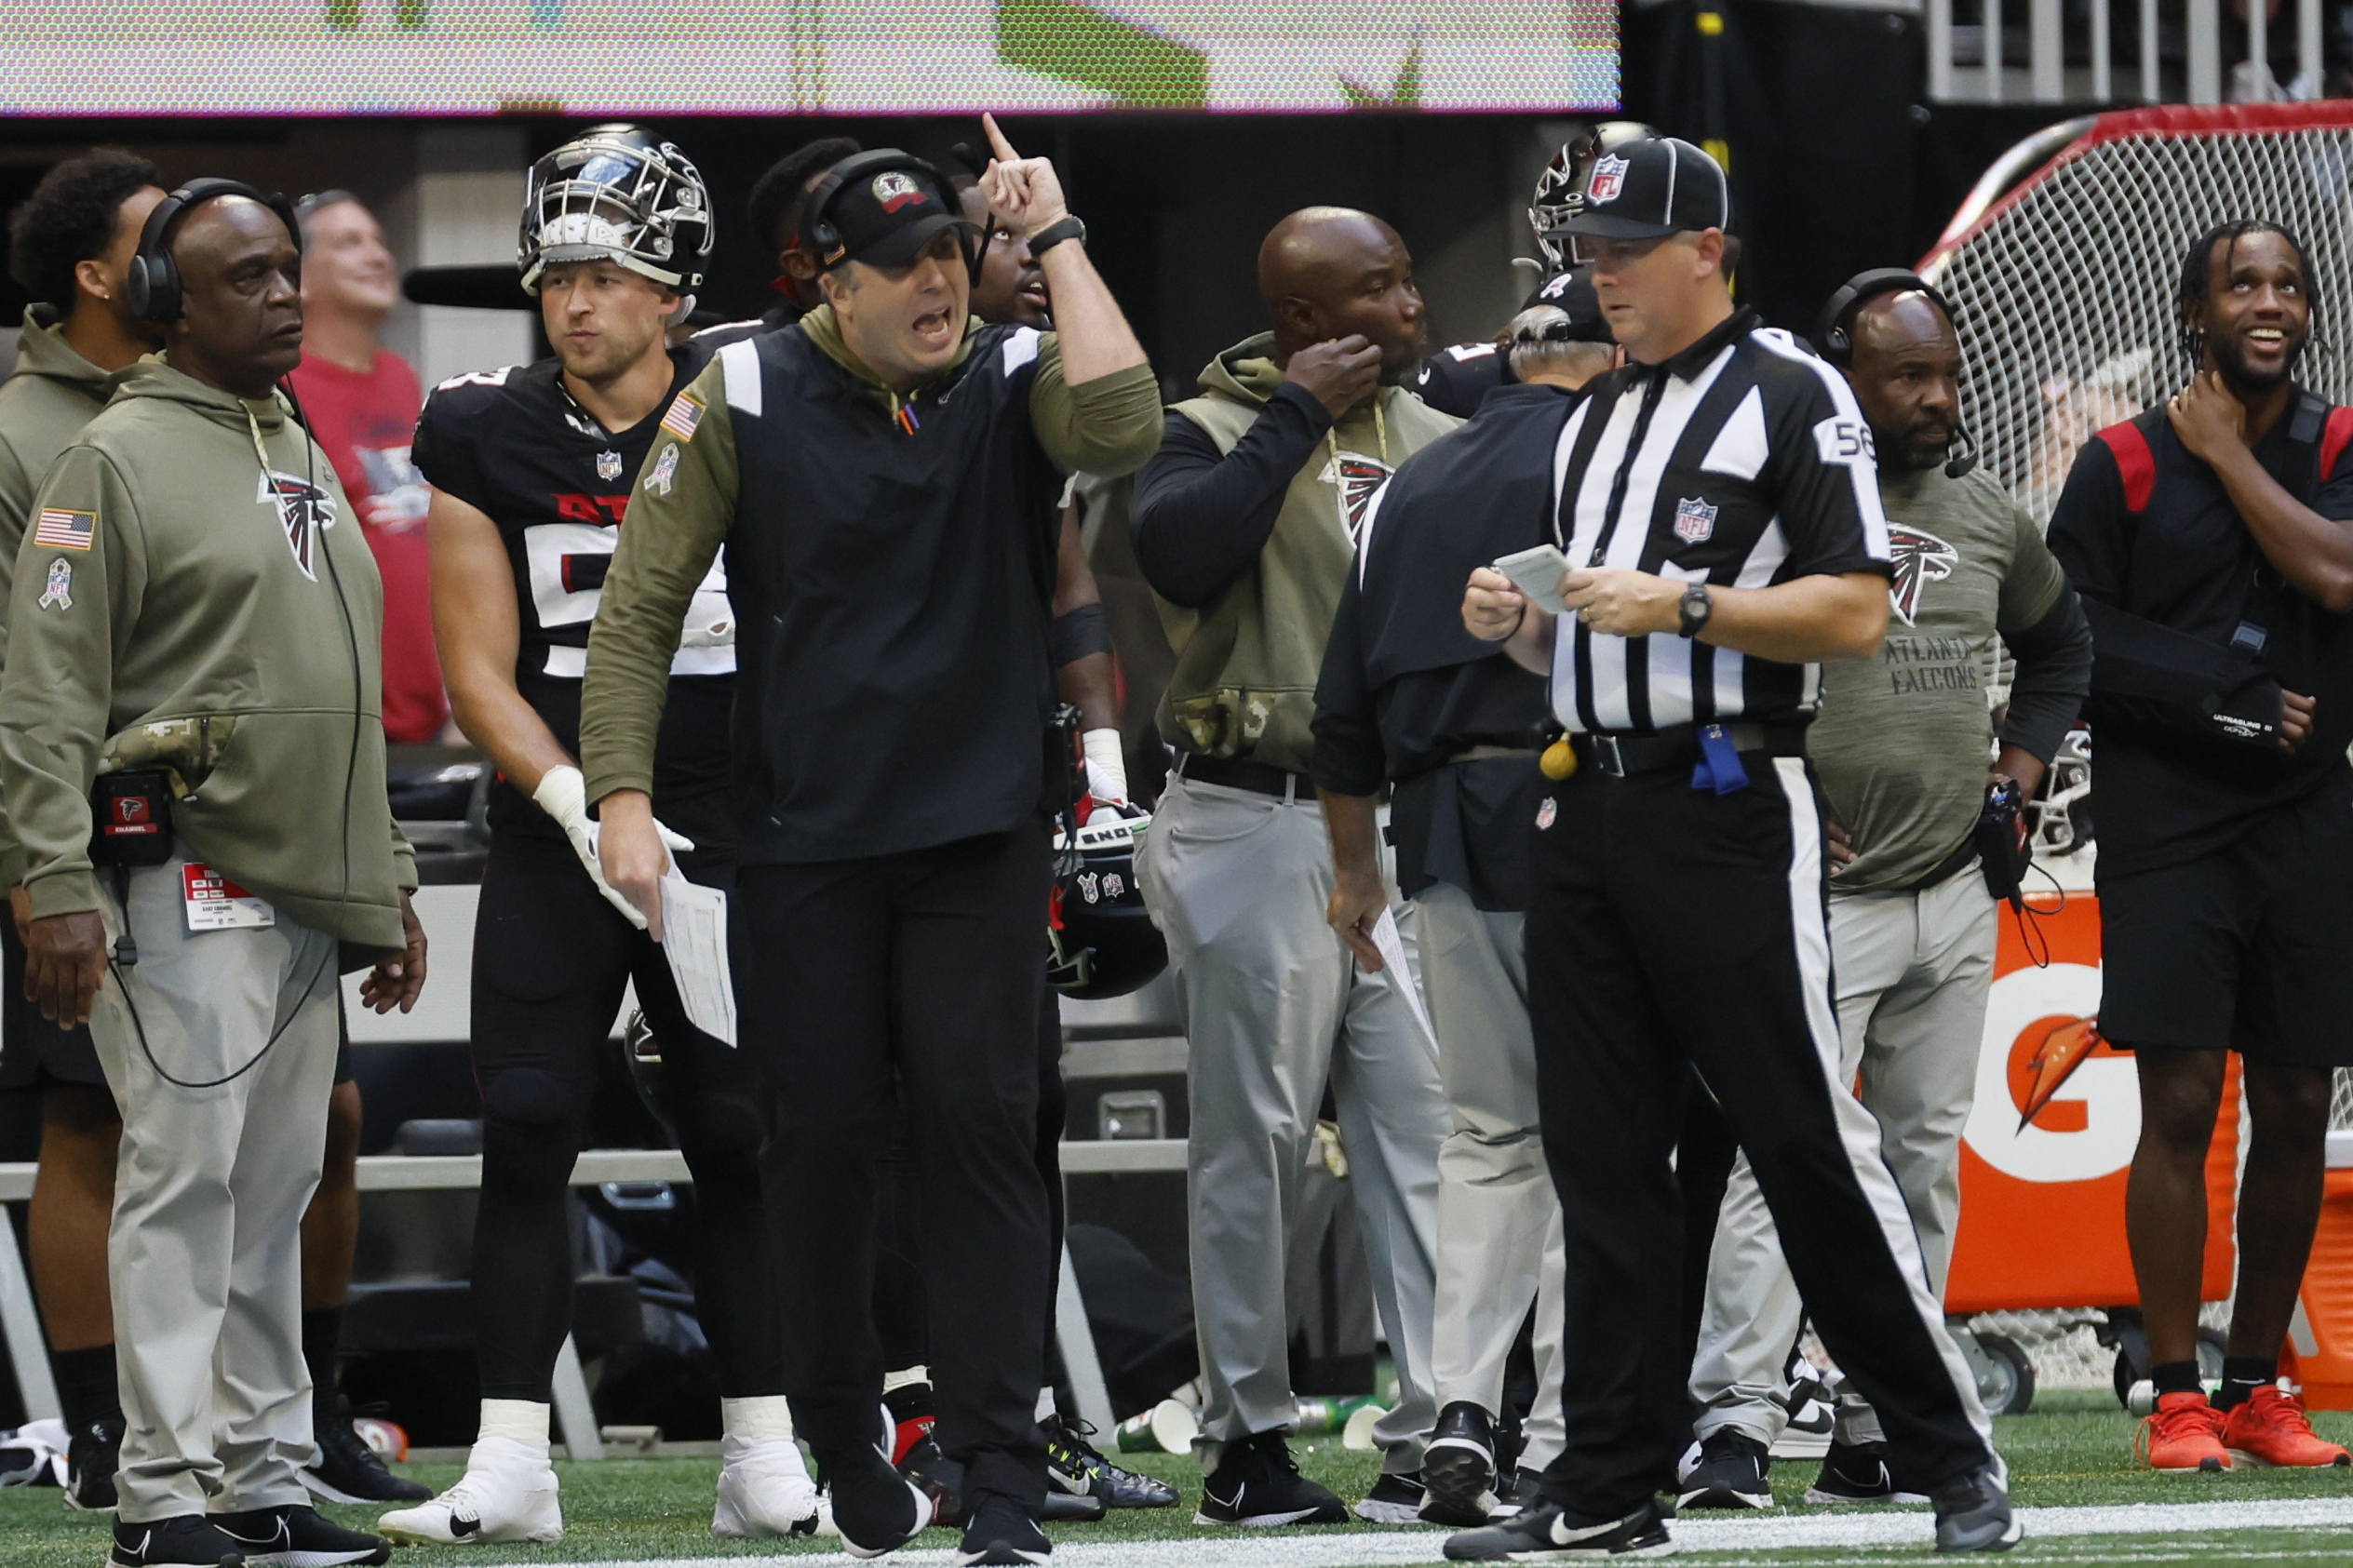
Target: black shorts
column 2244, row 949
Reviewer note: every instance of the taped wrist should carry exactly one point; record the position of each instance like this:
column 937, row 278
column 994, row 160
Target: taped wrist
column 1082, row 632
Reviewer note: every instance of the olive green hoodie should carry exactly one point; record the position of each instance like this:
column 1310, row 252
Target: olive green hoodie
column 43, row 407
column 1247, row 663
column 170, row 609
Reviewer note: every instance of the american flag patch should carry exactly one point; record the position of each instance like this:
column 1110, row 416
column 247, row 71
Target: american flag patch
column 65, row 530
column 684, row 415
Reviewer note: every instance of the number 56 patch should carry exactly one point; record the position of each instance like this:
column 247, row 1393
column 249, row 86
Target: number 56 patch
column 1846, row 441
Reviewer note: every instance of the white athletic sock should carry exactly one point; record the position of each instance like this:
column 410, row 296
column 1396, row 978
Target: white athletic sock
column 768, row 1415
column 1046, row 1404
column 518, row 1420
column 903, row 1376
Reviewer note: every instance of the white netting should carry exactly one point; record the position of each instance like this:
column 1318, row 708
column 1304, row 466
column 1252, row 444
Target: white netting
column 2066, row 291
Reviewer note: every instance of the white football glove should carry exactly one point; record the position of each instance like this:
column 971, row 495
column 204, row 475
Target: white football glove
column 1106, row 766
column 563, row 794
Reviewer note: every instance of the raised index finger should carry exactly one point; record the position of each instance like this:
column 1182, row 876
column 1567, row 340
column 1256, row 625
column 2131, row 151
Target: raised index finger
column 997, row 143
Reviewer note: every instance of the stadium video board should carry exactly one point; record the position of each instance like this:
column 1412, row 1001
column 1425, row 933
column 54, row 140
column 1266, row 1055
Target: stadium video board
column 592, row 56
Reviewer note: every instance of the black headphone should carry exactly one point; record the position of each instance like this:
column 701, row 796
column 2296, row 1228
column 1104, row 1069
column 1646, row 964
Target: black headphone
column 1836, row 345
column 152, row 283
column 824, row 238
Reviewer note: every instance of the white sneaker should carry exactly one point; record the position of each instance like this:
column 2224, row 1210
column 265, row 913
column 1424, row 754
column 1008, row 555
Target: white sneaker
column 764, row 1489
column 508, row 1493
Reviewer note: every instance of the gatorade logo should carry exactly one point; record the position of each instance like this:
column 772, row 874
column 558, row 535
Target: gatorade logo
column 2089, row 1128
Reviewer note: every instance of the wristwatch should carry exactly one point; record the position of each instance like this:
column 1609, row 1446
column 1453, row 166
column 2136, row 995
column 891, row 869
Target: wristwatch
column 1054, row 234
column 1697, row 608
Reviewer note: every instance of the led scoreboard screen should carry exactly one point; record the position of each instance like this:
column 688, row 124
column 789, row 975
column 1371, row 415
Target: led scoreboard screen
column 592, row 56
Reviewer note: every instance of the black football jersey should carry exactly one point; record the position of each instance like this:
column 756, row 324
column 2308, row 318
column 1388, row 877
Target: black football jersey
column 515, row 444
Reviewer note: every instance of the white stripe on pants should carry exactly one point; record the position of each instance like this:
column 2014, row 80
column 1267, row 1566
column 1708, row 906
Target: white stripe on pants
column 204, row 1257
column 1498, row 1221
column 1913, row 971
column 1274, row 1006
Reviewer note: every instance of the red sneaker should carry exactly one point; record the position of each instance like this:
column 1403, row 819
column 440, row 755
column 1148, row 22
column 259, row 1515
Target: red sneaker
column 2182, row 1436
column 2269, row 1428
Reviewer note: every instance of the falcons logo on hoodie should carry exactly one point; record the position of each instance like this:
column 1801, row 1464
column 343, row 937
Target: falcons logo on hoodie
column 1918, row 559
column 304, row 509
column 1360, row 478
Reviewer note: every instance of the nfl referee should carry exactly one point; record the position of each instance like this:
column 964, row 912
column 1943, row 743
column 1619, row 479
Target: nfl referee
column 1719, row 510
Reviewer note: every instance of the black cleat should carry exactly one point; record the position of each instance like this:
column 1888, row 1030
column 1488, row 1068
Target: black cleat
column 1730, row 1473
column 189, row 1541
column 1258, row 1483
column 91, row 1459
column 1549, row 1535
column 875, row 1508
column 936, row 1475
column 1064, row 1508
column 1457, row 1468
column 1076, row 1467
column 347, row 1471
column 1000, row 1534
column 1857, row 1472
column 1973, row 1513
column 1394, row 1499
column 297, row 1536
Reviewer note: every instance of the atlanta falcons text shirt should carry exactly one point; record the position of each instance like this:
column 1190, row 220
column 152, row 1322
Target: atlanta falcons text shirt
column 1742, row 461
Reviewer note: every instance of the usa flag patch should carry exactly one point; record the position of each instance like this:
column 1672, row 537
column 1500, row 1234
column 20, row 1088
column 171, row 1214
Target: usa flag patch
column 684, row 415
column 65, row 530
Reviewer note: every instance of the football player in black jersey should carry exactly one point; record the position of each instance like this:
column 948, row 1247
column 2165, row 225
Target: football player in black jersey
column 532, row 468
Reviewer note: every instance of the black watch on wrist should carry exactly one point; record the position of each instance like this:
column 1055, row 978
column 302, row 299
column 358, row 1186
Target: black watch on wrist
column 1054, row 234
column 1696, row 606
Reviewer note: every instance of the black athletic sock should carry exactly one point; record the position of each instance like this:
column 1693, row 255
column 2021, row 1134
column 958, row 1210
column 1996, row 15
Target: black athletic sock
column 2176, row 1377
column 2241, row 1376
column 322, row 1339
column 522, row 1256
column 86, row 1387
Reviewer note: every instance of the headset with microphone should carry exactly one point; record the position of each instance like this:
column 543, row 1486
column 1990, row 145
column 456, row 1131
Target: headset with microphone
column 153, row 284
column 1834, row 342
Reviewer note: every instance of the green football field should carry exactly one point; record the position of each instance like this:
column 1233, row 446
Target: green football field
column 2073, row 1455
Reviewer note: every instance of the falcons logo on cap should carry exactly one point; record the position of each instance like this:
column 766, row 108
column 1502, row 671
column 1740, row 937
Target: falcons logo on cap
column 1360, row 479
column 1918, row 559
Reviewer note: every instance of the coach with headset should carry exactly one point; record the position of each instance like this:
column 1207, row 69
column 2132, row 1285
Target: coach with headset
column 192, row 747
column 1900, row 748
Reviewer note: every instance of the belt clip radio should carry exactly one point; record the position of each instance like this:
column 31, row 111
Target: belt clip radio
column 131, row 812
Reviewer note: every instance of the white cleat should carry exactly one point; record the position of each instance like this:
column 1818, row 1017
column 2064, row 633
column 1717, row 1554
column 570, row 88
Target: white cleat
column 764, row 1489
column 508, row 1493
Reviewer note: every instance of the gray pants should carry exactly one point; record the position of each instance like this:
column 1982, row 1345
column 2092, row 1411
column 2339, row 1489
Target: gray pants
column 1913, row 971
column 1498, row 1221
column 1274, row 1006
column 204, row 1258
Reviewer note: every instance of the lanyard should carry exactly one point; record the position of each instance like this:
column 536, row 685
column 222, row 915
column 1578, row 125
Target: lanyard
column 1380, row 436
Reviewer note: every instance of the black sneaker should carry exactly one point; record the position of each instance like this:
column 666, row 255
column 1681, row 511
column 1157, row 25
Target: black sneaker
column 1458, row 1467
column 298, row 1537
column 1394, row 1499
column 1973, row 1513
column 1063, row 1508
column 1000, row 1533
column 91, row 1459
column 347, row 1471
column 875, row 1508
column 1730, row 1473
column 1076, row 1467
column 1550, row 1535
column 1258, row 1483
column 1857, row 1472
column 173, row 1543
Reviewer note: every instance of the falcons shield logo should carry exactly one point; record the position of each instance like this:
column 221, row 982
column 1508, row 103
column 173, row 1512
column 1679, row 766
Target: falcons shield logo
column 1360, row 478
column 304, row 509
column 1918, row 559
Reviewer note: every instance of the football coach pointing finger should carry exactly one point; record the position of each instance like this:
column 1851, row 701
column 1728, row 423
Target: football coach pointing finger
column 883, row 475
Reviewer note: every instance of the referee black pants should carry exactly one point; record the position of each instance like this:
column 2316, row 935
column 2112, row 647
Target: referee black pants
column 907, row 985
column 1672, row 929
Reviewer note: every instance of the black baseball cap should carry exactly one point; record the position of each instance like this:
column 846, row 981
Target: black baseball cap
column 1572, row 294
column 1652, row 188
column 883, row 209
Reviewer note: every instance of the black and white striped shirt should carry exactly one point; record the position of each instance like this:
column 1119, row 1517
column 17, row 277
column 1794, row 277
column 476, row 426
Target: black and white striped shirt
column 1741, row 462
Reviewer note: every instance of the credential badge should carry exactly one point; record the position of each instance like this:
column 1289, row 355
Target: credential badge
column 1694, row 520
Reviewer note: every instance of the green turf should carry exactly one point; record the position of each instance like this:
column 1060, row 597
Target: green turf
column 2074, row 1449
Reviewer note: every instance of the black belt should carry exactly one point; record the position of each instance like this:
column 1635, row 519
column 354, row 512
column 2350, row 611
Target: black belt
column 1622, row 756
column 1964, row 856
column 1234, row 772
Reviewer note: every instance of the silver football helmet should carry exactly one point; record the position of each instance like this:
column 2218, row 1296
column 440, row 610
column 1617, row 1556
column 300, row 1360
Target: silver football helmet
column 618, row 192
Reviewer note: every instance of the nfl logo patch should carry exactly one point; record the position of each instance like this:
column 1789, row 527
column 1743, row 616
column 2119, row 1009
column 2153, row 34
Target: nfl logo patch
column 1694, row 520
column 1546, row 813
column 608, row 465
column 1608, row 179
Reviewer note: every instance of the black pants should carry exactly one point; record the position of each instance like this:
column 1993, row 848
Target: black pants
column 1676, row 928
column 551, row 959
column 908, row 982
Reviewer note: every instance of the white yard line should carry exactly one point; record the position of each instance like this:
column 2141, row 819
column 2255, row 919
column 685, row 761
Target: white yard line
column 1396, row 1548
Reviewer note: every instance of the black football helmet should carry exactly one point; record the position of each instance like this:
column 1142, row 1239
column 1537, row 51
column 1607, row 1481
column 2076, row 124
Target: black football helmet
column 1103, row 943
column 647, row 1076
column 617, row 193
column 1560, row 190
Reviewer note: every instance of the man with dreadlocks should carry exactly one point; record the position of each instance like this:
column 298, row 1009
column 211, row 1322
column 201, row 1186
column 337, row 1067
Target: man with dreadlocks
column 2209, row 540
